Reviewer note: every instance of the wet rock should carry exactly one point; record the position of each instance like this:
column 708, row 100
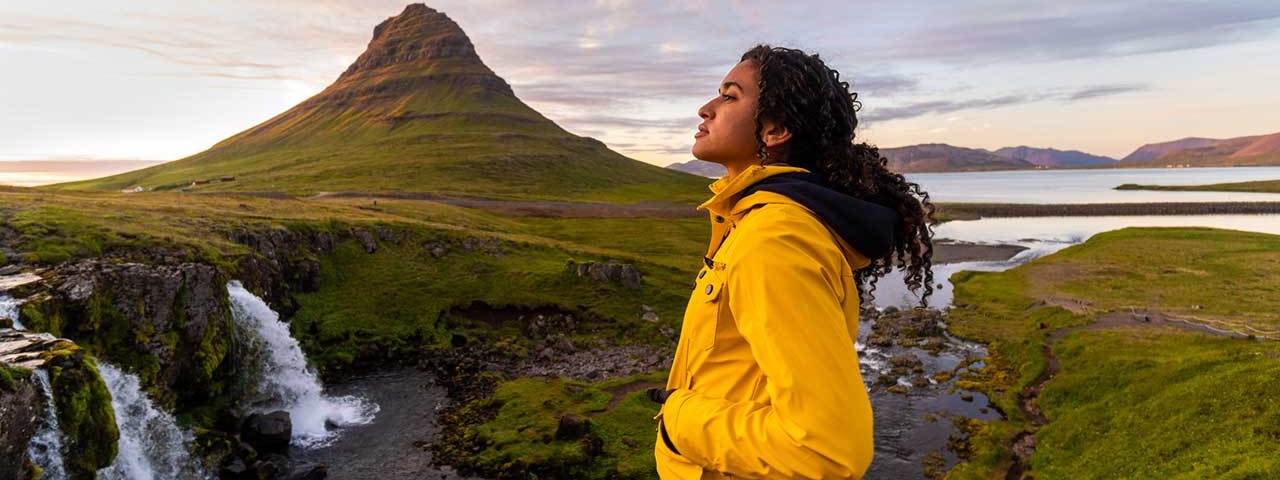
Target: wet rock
column 21, row 408
column 271, row 466
column 170, row 322
column 572, row 427
column 907, row 360
column 308, row 471
column 233, row 468
column 919, row 381
column 269, row 432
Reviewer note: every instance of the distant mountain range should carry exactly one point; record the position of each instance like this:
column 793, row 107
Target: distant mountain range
column 1053, row 158
column 1258, row 150
column 700, row 167
column 418, row 111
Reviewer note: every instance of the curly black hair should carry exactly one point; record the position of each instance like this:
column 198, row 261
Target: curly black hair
column 800, row 92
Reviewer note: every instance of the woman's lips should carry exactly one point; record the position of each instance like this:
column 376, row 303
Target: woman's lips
column 702, row 132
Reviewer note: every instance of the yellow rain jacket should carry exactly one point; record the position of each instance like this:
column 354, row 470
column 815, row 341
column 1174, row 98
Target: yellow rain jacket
column 765, row 378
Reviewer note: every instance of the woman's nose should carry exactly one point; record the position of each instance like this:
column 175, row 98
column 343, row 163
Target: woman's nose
column 705, row 111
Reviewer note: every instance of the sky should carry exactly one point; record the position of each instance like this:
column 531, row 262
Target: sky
column 160, row 80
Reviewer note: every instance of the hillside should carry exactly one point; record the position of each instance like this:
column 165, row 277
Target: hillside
column 1049, row 157
column 940, row 157
column 418, row 111
column 1258, row 150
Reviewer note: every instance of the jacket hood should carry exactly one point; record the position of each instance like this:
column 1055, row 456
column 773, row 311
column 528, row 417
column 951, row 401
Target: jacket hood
column 865, row 226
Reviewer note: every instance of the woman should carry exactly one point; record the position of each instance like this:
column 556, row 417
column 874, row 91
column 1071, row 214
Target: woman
column 765, row 381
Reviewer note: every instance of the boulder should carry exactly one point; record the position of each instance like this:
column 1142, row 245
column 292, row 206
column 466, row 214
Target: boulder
column 268, row 432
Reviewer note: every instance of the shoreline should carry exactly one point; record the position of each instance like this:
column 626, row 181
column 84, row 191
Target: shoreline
column 973, row 211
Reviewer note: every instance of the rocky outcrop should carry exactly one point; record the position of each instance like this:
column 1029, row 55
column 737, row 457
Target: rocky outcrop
column 81, row 401
column 610, row 271
column 21, row 407
column 284, row 262
column 169, row 324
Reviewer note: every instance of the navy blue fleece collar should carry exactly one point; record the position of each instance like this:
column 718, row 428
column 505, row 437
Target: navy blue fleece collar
column 865, row 226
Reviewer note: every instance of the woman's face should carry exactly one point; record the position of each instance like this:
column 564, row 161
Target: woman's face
column 727, row 133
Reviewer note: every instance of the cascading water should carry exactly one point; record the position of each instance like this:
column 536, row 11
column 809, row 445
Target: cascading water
column 45, row 448
column 9, row 309
column 151, row 445
column 283, row 380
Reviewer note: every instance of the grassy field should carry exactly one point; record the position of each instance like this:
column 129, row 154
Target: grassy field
column 1260, row 186
column 1130, row 401
column 391, row 302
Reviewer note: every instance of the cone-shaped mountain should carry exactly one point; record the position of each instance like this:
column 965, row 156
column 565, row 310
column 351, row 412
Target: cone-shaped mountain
column 418, row 111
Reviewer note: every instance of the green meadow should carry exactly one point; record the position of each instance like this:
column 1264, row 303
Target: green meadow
column 1131, row 399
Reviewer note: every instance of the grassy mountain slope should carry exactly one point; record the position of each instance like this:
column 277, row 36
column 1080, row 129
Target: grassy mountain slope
column 940, row 157
column 418, row 111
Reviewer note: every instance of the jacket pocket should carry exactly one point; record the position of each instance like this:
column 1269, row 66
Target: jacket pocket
column 706, row 306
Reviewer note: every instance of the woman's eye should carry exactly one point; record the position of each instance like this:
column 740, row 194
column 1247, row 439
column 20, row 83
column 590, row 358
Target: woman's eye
column 726, row 97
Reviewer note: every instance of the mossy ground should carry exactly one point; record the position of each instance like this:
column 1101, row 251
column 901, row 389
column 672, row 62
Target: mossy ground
column 519, row 437
column 85, row 415
column 1129, row 402
column 10, row 375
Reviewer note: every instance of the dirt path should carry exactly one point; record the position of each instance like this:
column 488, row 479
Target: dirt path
column 1024, row 443
column 539, row 208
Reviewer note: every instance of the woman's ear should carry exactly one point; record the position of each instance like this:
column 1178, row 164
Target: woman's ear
column 774, row 135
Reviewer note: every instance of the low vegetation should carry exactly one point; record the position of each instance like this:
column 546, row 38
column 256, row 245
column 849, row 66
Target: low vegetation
column 1209, row 390
column 1260, row 186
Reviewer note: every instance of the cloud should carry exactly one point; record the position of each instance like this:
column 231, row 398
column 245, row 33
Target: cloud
column 916, row 109
column 1106, row 91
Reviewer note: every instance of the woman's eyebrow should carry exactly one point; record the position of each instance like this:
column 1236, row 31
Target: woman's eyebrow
column 726, row 85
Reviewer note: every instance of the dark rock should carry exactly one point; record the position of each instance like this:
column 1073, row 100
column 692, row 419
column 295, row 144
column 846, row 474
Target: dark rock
column 458, row 340
column 269, row 432
column 170, row 323
column 365, row 239
column 592, row 445
column 907, row 360
column 572, row 427
column 565, row 345
column 308, row 471
column 234, row 469
column 271, row 466
column 630, row 277
column 21, row 408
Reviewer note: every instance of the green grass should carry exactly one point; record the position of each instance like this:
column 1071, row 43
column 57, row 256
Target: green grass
column 1260, row 186
column 1143, row 403
column 394, row 298
column 522, row 432
column 1095, row 404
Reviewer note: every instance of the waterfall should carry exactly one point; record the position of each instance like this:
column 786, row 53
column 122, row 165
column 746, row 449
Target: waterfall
column 283, row 380
column 151, row 445
column 45, row 448
column 9, row 309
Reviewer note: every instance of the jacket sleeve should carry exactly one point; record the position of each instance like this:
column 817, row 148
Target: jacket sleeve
column 784, row 297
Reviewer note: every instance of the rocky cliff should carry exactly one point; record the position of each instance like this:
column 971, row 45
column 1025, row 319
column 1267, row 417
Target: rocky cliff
column 168, row 324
